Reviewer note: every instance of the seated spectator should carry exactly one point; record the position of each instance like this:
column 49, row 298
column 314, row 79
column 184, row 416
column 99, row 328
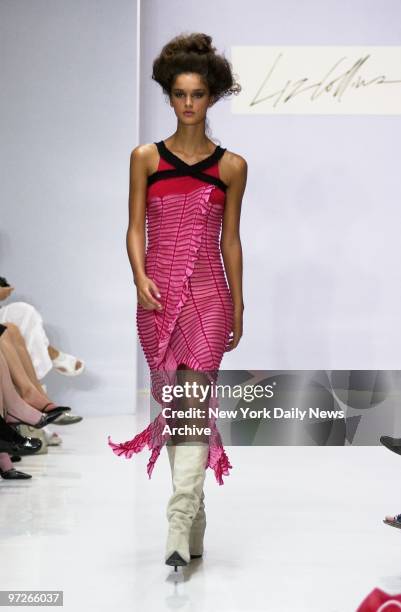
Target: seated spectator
column 12, row 442
column 30, row 324
column 13, row 409
column 32, row 365
column 12, row 346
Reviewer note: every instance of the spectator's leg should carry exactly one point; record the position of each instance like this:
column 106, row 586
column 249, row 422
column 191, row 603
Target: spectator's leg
column 31, row 326
column 18, row 341
column 5, row 462
column 20, row 378
column 5, row 459
column 15, row 407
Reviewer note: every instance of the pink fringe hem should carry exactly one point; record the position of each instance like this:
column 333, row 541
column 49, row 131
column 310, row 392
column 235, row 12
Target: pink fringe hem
column 217, row 459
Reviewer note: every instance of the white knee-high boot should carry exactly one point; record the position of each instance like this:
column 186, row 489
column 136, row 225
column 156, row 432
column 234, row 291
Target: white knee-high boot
column 197, row 533
column 189, row 472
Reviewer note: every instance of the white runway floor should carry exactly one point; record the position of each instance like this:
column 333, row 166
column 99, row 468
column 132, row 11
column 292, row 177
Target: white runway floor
column 293, row 529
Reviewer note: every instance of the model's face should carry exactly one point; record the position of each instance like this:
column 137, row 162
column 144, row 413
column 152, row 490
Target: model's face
column 190, row 98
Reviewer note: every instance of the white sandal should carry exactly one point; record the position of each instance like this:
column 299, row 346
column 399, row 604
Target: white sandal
column 52, row 437
column 68, row 362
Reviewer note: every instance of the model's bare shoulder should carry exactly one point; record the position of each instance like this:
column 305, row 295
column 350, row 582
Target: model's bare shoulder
column 234, row 167
column 145, row 156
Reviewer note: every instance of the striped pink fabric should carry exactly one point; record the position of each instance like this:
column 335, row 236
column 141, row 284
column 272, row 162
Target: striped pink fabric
column 184, row 216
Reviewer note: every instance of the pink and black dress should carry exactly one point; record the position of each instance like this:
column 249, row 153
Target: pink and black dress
column 184, row 210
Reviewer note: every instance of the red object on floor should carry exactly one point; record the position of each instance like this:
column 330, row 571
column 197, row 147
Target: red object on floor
column 379, row 601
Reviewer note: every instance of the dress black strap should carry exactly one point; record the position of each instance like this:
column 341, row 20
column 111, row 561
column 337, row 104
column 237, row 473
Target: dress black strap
column 181, row 168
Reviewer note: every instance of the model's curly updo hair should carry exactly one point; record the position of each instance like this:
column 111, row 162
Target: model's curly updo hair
column 195, row 53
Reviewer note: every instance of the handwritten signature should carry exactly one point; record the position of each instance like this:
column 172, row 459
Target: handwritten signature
column 336, row 86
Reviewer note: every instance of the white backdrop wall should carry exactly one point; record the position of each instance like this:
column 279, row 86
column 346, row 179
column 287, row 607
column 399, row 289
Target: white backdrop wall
column 321, row 214
column 68, row 125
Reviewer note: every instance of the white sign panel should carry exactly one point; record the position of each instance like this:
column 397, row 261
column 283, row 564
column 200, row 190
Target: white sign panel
column 317, row 80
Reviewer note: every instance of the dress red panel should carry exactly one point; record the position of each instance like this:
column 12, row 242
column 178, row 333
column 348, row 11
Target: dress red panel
column 185, row 205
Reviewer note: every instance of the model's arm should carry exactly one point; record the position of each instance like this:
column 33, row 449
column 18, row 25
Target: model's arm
column 136, row 238
column 230, row 242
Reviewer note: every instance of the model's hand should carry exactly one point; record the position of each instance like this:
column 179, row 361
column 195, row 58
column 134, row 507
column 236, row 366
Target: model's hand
column 236, row 332
column 5, row 292
column 146, row 289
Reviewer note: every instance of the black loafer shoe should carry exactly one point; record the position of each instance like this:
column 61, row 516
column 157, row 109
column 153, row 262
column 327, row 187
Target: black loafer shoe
column 393, row 444
column 21, row 446
column 29, row 446
column 49, row 417
column 45, row 419
column 64, row 408
column 14, row 474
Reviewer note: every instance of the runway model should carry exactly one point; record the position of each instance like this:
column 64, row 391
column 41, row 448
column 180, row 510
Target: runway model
column 190, row 307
